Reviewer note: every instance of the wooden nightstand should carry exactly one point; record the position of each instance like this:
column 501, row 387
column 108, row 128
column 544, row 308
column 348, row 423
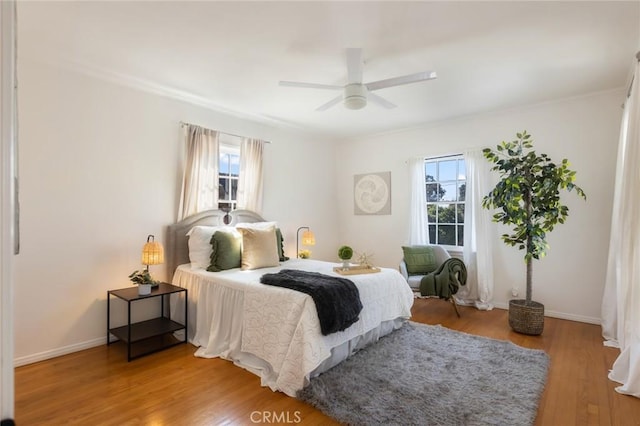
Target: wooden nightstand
column 146, row 337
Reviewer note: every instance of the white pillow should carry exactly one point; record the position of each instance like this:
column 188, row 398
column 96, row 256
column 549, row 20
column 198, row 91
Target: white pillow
column 200, row 245
column 257, row 225
column 259, row 249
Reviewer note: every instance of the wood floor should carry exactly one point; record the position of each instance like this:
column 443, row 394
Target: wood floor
column 98, row 386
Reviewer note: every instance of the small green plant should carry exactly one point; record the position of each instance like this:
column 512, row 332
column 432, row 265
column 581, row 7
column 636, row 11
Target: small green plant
column 142, row 277
column 345, row 252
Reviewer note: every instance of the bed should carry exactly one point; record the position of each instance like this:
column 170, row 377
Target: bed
column 271, row 331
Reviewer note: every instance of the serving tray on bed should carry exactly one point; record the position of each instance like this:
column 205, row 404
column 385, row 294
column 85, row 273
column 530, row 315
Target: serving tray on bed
column 355, row 270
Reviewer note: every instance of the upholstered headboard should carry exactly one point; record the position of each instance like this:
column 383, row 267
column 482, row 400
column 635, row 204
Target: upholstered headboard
column 177, row 251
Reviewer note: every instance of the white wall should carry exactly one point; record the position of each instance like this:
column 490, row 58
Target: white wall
column 99, row 170
column 570, row 280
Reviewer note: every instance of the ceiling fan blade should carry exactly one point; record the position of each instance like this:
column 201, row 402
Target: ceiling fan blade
column 398, row 81
column 329, row 104
column 309, row 85
column 354, row 65
column 381, row 101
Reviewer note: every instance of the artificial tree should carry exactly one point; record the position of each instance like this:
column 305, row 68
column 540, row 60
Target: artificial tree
column 527, row 198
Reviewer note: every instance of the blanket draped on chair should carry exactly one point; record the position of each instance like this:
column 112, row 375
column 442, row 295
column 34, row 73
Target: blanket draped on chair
column 444, row 281
column 337, row 299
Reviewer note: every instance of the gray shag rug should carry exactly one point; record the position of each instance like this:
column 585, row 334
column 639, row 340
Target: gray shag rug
column 431, row 375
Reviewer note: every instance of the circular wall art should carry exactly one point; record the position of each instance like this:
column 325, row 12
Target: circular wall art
column 372, row 193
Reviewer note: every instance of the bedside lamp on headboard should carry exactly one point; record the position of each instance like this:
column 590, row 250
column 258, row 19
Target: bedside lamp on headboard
column 308, row 239
column 152, row 253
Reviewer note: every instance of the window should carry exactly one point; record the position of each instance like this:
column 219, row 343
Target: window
column 445, row 186
column 228, row 173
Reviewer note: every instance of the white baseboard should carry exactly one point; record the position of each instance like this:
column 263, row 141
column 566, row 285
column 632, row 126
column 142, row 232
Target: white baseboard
column 560, row 315
column 30, row 359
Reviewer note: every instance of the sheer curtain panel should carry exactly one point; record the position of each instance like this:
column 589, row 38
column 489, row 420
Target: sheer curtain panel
column 200, row 178
column 250, row 180
column 478, row 250
column 609, row 307
column 621, row 299
column 9, row 230
column 418, row 225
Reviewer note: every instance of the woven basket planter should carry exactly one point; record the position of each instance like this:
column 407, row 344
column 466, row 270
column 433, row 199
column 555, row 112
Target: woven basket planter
column 526, row 318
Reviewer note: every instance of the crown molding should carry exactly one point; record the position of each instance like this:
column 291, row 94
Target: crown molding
column 159, row 89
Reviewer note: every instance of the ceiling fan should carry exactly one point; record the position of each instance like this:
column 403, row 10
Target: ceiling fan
column 356, row 93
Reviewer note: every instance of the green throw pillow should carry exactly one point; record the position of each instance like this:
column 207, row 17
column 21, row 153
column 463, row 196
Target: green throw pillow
column 226, row 251
column 420, row 260
column 280, row 242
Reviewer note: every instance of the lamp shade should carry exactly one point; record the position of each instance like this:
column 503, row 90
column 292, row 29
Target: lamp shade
column 152, row 252
column 308, row 238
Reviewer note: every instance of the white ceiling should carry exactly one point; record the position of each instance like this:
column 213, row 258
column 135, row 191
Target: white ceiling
column 231, row 55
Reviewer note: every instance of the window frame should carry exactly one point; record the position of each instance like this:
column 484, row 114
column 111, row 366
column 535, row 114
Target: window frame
column 459, row 180
column 229, row 147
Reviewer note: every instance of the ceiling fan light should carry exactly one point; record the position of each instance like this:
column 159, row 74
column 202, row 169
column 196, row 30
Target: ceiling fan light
column 355, row 96
column 355, row 102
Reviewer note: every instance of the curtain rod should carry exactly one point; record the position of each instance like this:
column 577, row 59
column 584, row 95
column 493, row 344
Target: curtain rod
column 183, row 123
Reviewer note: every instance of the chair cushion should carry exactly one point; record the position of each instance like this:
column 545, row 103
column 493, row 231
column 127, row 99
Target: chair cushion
column 420, row 260
column 414, row 281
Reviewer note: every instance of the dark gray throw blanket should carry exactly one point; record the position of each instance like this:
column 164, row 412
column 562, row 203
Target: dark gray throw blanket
column 337, row 299
column 444, row 281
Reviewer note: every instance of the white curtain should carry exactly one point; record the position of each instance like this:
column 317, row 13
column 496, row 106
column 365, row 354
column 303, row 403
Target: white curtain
column 621, row 299
column 250, row 181
column 9, row 229
column 478, row 250
column 418, row 226
column 200, row 179
column 609, row 307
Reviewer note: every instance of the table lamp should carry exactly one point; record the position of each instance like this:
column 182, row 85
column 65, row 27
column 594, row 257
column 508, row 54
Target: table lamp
column 308, row 239
column 152, row 253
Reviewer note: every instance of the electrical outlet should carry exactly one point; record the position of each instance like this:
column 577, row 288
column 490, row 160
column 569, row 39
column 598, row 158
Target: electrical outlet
column 514, row 292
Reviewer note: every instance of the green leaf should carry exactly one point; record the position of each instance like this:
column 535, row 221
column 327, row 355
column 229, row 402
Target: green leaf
column 527, row 196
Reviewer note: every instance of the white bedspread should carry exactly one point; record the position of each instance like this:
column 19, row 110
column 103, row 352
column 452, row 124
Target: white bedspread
column 272, row 331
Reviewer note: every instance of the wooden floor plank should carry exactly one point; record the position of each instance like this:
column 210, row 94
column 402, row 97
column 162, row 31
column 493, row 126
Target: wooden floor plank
column 98, row 387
